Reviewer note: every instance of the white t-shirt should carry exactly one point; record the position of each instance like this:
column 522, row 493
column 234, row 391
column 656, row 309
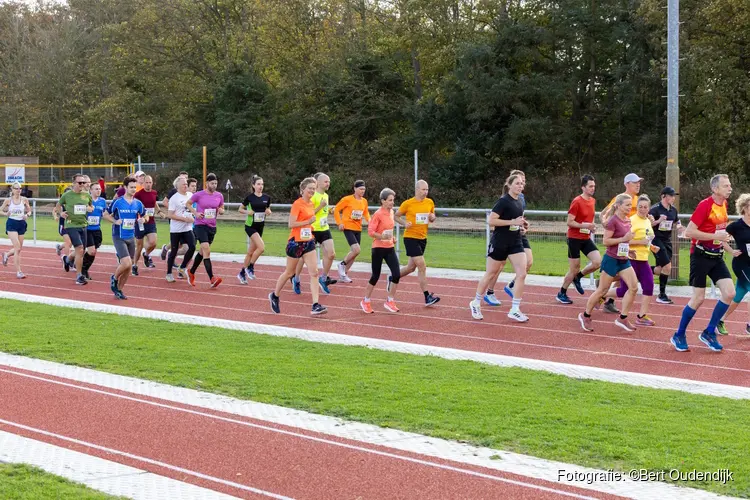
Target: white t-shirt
column 177, row 204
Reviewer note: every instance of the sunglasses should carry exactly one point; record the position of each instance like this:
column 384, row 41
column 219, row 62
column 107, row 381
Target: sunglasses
column 83, row 182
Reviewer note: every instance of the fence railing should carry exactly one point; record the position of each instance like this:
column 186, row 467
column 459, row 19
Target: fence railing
column 457, row 239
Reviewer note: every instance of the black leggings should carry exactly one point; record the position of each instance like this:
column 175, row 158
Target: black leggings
column 176, row 240
column 389, row 256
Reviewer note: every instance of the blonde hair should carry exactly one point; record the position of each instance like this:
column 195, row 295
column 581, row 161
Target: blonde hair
column 621, row 198
column 306, row 182
column 742, row 203
column 644, row 197
column 15, row 185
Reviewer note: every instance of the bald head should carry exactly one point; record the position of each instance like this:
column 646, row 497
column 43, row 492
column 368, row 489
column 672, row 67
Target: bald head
column 421, row 190
column 324, row 182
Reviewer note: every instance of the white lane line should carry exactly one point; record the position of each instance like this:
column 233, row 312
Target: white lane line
column 270, row 429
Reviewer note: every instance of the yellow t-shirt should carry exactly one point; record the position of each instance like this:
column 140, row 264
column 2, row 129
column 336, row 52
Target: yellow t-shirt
column 321, row 218
column 417, row 212
column 640, row 228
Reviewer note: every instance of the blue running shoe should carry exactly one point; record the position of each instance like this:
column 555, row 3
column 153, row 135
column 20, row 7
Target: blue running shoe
column 709, row 338
column 680, row 342
column 113, row 284
column 563, row 298
column 509, row 290
column 295, row 285
column 324, row 285
column 578, row 285
column 490, row 299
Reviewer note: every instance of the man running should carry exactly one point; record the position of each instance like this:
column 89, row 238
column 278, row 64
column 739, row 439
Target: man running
column 148, row 196
column 180, row 227
column 256, row 206
column 192, row 188
column 348, row 214
column 74, row 207
column 64, row 250
column 124, row 214
column 707, row 230
column 665, row 221
column 94, row 230
column 581, row 229
column 208, row 204
column 416, row 214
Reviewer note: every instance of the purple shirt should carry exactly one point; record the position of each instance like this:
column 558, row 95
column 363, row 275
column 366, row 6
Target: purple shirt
column 208, row 205
column 620, row 228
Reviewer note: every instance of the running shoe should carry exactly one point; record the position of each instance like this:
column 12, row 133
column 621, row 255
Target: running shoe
column 215, row 281
column 609, row 307
column 721, row 329
column 120, row 295
column 86, row 275
column 625, row 324
column 345, row 279
column 388, row 284
column 5, row 259
column 250, row 273
column 182, row 273
column 66, row 265
column 476, row 309
column 586, row 322
column 342, row 272
column 330, row 282
column 134, row 270
column 390, row 305
column 242, row 277
column 598, row 304
column 644, row 321
column 517, row 315
column 431, row 300
column 709, row 338
column 274, row 303
column 148, row 261
column 663, row 299
column 747, row 329
column 317, row 309
column 113, row 283
column 191, row 278
column 58, row 249
column 80, row 280
column 679, row 342
column 562, row 298
column 578, row 285
column 491, row 300
column 163, row 254
column 508, row 290
column 366, row 307
column 295, row 285
column 323, row 285
column 170, row 278
column 20, row 275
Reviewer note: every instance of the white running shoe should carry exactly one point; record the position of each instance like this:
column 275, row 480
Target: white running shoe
column 476, row 309
column 344, row 279
column 517, row 315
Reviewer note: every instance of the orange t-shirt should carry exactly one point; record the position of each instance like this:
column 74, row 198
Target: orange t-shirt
column 138, row 187
column 583, row 211
column 382, row 220
column 349, row 211
column 417, row 212
column 302, row 211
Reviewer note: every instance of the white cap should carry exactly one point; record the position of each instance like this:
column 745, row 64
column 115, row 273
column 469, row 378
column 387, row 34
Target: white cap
column 140, row 173
column 633, row 178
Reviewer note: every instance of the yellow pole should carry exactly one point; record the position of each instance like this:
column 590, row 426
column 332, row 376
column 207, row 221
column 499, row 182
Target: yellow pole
column 204, row 167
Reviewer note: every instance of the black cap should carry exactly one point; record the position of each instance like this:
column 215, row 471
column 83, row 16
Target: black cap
column 668, row 191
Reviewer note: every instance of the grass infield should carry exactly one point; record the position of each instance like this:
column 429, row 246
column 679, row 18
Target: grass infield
column 22, row 482
column 591, row 423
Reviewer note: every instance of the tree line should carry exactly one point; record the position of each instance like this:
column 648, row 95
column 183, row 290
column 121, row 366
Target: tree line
column 284, row 88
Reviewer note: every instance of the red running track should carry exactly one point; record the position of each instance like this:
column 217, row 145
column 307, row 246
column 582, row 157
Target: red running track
column 240, row 456
column 552, row 334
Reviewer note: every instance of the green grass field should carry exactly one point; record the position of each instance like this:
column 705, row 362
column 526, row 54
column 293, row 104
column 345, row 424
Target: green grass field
column 589, row 423
column 22, row 482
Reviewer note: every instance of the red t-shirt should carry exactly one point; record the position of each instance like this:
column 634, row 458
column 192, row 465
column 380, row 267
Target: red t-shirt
column 583, row 210
column 148, row 198
column 709, row 218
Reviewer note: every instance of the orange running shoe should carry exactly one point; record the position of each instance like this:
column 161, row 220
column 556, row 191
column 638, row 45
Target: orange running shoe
column 215, row 281
column 366, row 307
column 390, row 305
column 191, row 278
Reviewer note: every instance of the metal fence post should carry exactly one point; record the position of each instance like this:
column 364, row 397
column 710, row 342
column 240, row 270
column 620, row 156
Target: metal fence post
column 488, row 232
column 33, row 215
column 398, row 238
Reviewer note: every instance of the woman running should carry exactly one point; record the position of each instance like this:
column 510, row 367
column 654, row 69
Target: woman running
column 256, row 206
column 381, row 230
column 617, row 238
column 301, row 245
column 507, row 219
column 18, row 210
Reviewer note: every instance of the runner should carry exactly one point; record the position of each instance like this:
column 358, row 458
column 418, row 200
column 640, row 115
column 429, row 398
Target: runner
column 416, row 214
column 140, row 179
column 740, row 230
column 616, row 261
column 208, row 204
column 148, row 196
column 665, row 220
column 383, row 242
column 171, row 192
column 124, row 214
column 508, row 289
column 63, row 250
column 256, row 206
column 74, row 207
column 192, row 188
column 322, row 234
column 581, row 228
column 93, row 230
column 348, row 214
column 707, row 230
column 17, row 209
column 507, row 219
column 301, row 246
column 180, row 227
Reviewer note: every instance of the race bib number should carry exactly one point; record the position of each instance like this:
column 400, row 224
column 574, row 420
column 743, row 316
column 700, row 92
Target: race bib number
column 623, row 249
column 16, row 211
column 357, row 214
column 422, row 218
column 585, row 231
column 305, row 233
column 128, row 223
column 665, row 225
column 150, row 212
column 259, row 217
column 323, row 223
column 93, row 220
column 79, row 209
column 388, row 234
column 514, row 228
column 209, row 213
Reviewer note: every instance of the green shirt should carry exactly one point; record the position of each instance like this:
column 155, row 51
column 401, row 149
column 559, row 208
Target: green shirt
column 75, row 205
column 321, row 218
